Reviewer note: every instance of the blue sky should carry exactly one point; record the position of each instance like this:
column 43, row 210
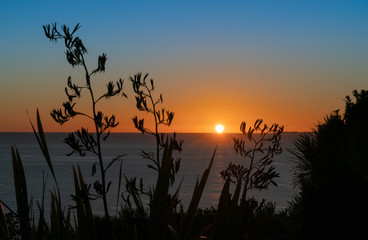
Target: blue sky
column 286, row 61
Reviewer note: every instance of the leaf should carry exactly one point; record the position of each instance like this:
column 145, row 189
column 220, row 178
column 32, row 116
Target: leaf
column 158, row 219
column 108, row 187
column 222, row 211
column 94, row 169
column 86, row 226
column 4, row 229
column 119, row 185
column 152, row 87
column 152, row 167
column 243, row 126
column 20, row 186
column 193, row 206
column 136, row 198
column 40, row 136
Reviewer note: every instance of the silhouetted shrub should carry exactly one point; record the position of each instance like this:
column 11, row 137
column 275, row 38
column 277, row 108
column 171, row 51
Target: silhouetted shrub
column 331, row 172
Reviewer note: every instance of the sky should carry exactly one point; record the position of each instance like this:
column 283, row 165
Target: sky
column 287, row 62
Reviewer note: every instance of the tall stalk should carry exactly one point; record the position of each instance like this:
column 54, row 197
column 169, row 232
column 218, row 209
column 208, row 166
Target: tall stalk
column 165, row 165
column 147, row 103
column 98, row 138
column 81, row 141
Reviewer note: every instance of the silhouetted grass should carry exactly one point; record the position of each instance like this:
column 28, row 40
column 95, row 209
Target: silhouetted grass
column 165, row 220
column 237, row 216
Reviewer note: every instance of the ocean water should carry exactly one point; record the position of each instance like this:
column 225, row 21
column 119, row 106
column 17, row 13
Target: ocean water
column 197, row 151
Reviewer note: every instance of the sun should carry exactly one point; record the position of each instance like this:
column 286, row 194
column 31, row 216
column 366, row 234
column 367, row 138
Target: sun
column 219, row 128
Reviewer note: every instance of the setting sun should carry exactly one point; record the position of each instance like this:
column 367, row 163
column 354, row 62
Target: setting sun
column 219, row 128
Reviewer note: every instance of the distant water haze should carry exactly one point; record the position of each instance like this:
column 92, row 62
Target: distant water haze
column 197, row 151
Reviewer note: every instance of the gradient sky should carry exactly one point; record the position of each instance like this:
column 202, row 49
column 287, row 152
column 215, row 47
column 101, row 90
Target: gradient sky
column 290, row 62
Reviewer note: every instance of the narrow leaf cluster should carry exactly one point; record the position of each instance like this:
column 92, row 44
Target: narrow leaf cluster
column 257, row 172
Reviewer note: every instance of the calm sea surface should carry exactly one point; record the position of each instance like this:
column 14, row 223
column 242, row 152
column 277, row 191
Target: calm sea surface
column 196, row 154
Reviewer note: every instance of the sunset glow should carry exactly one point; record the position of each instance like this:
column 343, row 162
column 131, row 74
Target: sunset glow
column 235, row 61
column 219, row 128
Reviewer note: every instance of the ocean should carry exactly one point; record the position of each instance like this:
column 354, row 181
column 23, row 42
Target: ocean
column 197, row 151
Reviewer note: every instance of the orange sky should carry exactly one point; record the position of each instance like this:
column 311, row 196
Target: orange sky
column 290, row 63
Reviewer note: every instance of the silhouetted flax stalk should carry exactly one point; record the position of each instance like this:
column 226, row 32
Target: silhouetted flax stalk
column 257, row 173
column 85, row 141
column 98, row 138
column 144, row 90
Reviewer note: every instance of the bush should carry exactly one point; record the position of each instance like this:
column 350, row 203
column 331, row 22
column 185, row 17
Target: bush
column 332, row 174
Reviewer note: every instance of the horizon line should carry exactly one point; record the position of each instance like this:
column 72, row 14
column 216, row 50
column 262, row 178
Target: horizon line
column 160, row 132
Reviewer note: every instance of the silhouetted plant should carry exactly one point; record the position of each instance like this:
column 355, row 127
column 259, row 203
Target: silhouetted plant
column 162, row 204
column 147, row 103
column 82, row 141
column 60, row 225
column 257, row 171
column 9, row 225
column 305, row 148
column 331, row 172
column 231, row 218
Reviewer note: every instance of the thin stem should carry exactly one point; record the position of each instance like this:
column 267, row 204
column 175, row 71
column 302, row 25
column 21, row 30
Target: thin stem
column 156, row 132
column 153, row 111
column 250, row 167
column 100, row 98
column 98, row 138
column 83, row 114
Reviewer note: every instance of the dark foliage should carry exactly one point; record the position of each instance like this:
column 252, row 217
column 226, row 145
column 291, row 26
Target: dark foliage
column 144, row 88
column 332, row 174
column 256, row 171
column 83, row 141
column 10, row 227
column 237, row 216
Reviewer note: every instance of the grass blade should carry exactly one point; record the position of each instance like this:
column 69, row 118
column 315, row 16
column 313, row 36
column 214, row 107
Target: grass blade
column 222, row 212
column 21, row 195
column 136, row 198
column 119, row 187
column 41, row 139
column 40, row 136
column 86, row 227
column 159, row 218
column 193, row 206
column 41, row 208
column 4, row 229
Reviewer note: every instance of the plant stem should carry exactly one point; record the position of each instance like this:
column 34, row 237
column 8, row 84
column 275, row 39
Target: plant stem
column 156, row 134
column 156, row 129
column 98, row 139
column 250, row 169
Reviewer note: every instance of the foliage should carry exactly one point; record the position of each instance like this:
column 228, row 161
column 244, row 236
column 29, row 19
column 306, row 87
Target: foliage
column 82, row 141
column 21, row 195
column 250, row 219
column 13, row 227
column 255, row 173
column 234, row 210
column 187, row 219
column 60, row 226
column 247, row 220
column 331, row 173
column 236, row 217
column 146, row 103
column 165, row 167
column 9, row 224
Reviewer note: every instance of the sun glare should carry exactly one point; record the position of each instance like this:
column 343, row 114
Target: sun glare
column 219, row 128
